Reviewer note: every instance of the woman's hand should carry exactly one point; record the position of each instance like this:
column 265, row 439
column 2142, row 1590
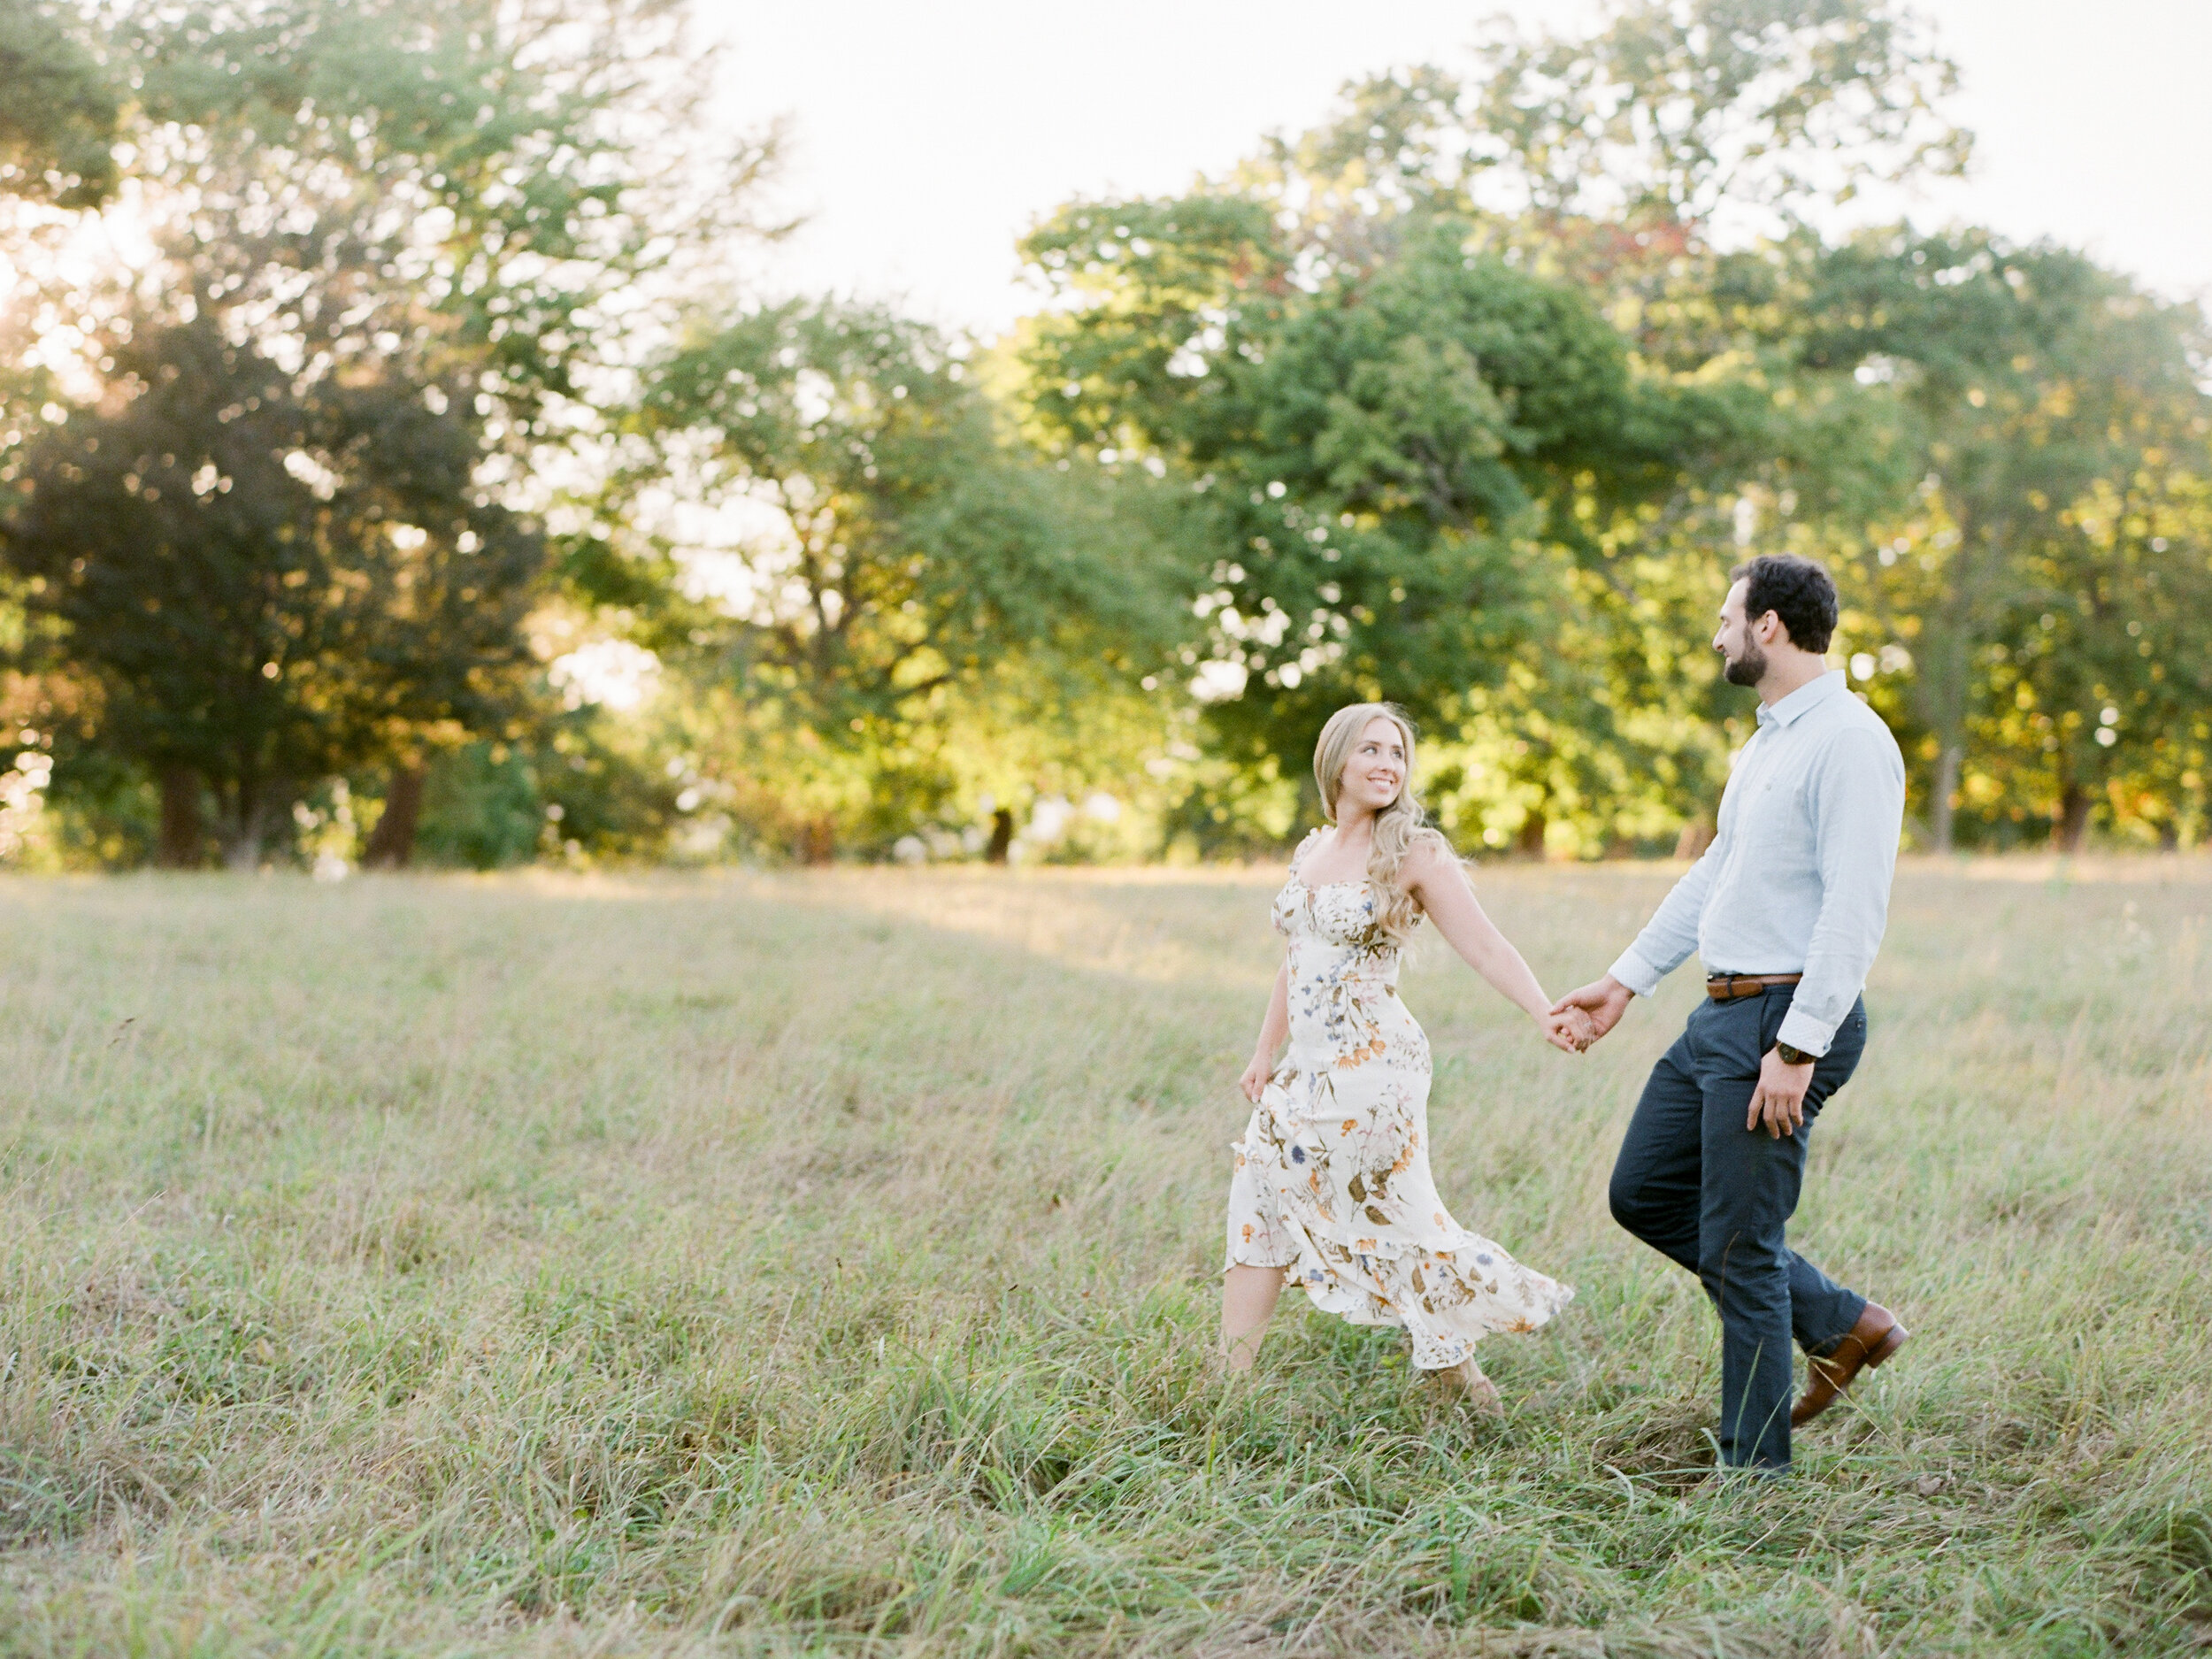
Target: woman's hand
column 1274, row 1029
column 1254, row 1082
column 1568, row 1029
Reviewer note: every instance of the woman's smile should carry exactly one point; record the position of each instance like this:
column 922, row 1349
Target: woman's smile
column 1377, row 770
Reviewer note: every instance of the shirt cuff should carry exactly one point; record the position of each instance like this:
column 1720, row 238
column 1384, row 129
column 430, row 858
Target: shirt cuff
column 1634, row 972
column 1801, row 1031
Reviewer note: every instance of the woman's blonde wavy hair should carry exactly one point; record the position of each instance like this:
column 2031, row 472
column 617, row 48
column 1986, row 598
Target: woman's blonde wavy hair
column 1399, row 827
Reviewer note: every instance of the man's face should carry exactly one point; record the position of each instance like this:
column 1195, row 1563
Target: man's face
column 1743, row 663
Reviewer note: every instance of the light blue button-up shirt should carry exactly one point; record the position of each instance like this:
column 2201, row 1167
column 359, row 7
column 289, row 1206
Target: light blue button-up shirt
column 1797, row 879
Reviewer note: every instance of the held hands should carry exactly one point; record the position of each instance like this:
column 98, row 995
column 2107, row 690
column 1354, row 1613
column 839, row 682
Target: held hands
column 1601, row 1004
column 1780, row 1097
column 1568, row 1030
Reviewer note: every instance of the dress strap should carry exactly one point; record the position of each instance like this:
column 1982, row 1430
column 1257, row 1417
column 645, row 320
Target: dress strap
column 1304, row 847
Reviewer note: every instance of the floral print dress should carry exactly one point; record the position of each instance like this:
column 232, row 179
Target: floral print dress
column 1331, row 1182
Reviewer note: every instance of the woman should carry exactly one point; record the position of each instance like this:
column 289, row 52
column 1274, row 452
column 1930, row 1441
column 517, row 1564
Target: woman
column 1332, row 1189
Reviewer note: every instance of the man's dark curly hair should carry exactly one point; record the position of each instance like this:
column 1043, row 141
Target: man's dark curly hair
column 1797, row 590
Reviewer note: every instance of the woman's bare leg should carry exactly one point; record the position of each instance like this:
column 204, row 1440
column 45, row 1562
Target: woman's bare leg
column 1248, row 1303
column 1466, row 1381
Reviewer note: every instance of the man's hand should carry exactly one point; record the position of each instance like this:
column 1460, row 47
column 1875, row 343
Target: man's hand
column 1604, row 1002
column 1780, row 1096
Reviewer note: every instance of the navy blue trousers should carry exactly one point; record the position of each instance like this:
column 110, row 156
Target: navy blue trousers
column 1696, row 1185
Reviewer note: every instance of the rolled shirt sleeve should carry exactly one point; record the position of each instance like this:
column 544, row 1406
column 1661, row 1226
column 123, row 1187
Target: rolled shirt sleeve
column 1670, row 935
column 1858, row 808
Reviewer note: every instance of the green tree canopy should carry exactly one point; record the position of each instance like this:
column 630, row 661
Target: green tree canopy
column 2042, row 414
column 1402, row 467
column 60, row 112
column 461, row 209
column 268, row 580
column 894, row 552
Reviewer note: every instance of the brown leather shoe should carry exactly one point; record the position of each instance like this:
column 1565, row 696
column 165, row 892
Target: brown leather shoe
column 1874, row 1339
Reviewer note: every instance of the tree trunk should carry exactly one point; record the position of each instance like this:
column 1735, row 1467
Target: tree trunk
column 1001, row 841
column 1943, row 682
column 1947, row 784
column 1529, row 843
column 2071, row 826
column 817, row 841
column 249, row 826
column 181, row 840
column 392, row 843
column 244, row 852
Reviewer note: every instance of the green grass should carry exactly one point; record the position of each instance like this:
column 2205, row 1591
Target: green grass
column 740, row 1264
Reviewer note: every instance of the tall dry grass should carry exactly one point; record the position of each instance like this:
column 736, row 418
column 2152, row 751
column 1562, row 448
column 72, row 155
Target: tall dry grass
column 743, row 1264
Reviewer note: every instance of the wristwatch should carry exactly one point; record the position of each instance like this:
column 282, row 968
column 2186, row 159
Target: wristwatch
column 1793, row 1056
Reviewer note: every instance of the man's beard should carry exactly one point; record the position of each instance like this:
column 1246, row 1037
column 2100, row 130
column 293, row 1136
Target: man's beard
column 1747, row 669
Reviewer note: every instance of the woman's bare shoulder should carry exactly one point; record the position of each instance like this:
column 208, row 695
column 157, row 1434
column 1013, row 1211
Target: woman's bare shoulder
column 1429, row 855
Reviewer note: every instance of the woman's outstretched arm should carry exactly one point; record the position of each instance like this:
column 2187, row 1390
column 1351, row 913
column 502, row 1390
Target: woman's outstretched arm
column 1439, row 881
column 1274, row 1029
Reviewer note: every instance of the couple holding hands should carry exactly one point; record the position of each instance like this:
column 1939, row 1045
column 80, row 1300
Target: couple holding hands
column 1332, row 1189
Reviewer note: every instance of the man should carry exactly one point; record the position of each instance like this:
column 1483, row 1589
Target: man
column 1786, row 909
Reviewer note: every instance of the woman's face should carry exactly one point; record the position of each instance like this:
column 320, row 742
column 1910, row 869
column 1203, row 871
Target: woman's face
column 1375, row 772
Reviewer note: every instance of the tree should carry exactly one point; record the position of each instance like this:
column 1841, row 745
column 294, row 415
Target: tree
column 1495, row 302
column 1623, row 159
column 60, row 117
column 472, row 202
column 269, row 580
column 504, row 183
column 1683, row 111
column 1402, row 467
column 2100, row 686
column 2032, row 397
column 894, row 555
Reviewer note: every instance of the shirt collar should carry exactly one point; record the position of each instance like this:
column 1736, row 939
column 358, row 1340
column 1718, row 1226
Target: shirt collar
column 1811, row 695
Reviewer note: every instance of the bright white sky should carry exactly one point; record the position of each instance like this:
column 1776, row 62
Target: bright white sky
column 925, row 137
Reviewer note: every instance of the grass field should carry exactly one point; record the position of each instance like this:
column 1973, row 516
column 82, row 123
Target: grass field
column 707, row 1265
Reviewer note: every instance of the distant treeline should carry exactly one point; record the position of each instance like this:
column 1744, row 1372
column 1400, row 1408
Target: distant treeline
column 386, row 472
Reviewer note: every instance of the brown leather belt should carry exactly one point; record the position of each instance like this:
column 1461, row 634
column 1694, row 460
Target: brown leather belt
column 1727, row 988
